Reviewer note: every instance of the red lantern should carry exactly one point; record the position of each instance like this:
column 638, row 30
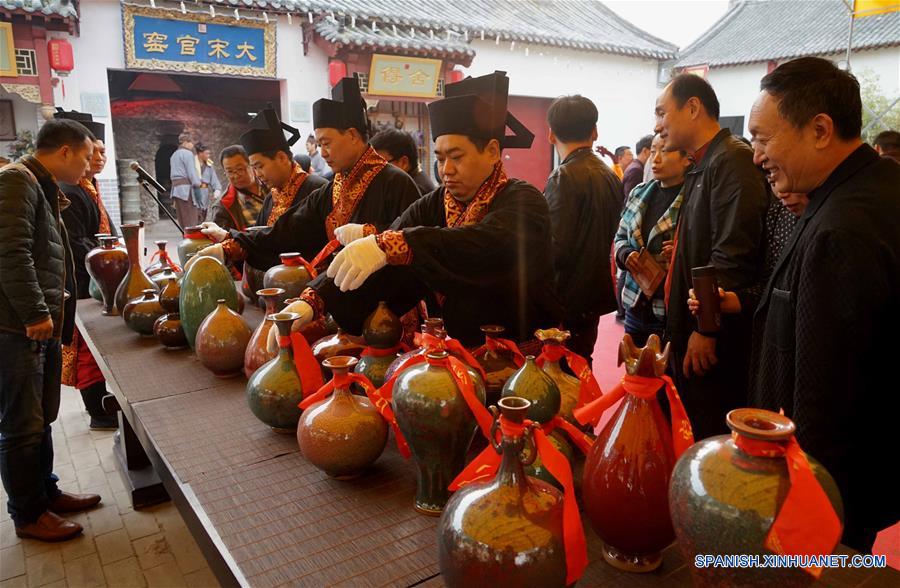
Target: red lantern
column 337, row 70
column 61, row 58
column 456, row 76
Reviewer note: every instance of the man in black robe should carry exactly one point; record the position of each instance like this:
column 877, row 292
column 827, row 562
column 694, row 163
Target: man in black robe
column 85, row 217
column 365, row 190
column 481, row 243
column 825, row 330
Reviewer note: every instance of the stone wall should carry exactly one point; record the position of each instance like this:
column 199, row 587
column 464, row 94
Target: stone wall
column 141, row 125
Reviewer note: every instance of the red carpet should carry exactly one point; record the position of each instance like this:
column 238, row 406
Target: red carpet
column 608, row 374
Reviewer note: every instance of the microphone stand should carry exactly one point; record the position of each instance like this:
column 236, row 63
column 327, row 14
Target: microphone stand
column 153, row 194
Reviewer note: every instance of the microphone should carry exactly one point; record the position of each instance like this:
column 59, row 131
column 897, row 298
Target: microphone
column 145, row 176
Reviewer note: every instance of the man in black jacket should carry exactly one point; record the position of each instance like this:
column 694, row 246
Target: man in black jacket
column 35, row 271
column 826, row 327
column 721, row 224
column 585, row 204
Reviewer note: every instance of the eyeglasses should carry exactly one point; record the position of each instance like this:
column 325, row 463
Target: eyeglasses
column 237, row 171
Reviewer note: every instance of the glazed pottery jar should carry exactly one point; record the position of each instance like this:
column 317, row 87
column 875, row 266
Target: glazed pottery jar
column 107, row 266
column 222, row 340
column 161, row 277
column 162, row 260
column 292, row 275
column 169, row 293
column 431, row 326
column 135, row 281
column 569, row 386
column 382, row 332
column 498, row 363
column 343, row 434
column 725, row 496
column 533, row 384
column 251, row 281
column 167, row 329
column 193, row 241
column 507, row 531
column 202, row 286
column 257, row 350
column 141, row 313
column 274, row 392
column 438, row 426
column 626, row 474
column 338, row 344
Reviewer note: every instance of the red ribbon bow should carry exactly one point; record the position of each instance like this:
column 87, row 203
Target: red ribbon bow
column 485, row 466
column 304, row 361
column 164, row 256
column 496, row 344
column 590, row 389
column 427, row 344
column 643, row 387
column 806, row 524
column 381, row 405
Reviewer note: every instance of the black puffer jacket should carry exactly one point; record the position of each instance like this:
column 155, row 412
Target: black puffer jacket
column 35, row 259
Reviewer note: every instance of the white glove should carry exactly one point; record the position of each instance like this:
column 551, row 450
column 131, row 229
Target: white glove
column 213, row 231
column 215, row 251
column 356, row 262
column 306, row 314
column 349, row 233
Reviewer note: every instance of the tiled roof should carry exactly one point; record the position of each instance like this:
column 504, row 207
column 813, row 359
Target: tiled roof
column 577, row 24
column 396, row 38
column 763, row 30
column 63, row 8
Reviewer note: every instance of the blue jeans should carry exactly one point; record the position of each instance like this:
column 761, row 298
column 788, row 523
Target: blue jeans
column 640, row 323
column 30, row 375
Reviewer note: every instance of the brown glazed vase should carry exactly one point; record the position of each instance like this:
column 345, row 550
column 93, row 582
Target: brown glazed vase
column 193, row 241
column 107, row 266
column 160, row 264
column 169, row 293
column 438, row 426
column 135, row 281
column 161, row 277
column 382, row 331
column 343, row 434
column 222, row 340
column 257, row 350
column 723, row 501
column 508, row 531
column 498, row 365
column 169, row 332
column 569, row 386
column 626, row 474
column 274, row 392
column 338, row 344
column 291, row 276
column 141, row 313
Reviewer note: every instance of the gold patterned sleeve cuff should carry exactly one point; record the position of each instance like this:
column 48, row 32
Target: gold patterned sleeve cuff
column 233, row 251
column 312, row 298
column 369, row 229
column 394, row 245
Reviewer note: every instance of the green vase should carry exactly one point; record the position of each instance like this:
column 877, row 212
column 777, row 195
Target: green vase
column 274, row 392
column 535, row 386
column 438, row 426
column 94, row 291
column 206, row 282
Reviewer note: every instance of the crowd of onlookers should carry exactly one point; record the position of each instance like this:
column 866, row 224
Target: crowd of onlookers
column 797, row 228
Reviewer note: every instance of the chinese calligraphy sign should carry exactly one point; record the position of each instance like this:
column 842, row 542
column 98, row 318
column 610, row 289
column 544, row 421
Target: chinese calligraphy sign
column 162, row 39
column 394, row 75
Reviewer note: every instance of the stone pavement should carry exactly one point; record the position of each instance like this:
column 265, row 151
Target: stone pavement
column 120, row 547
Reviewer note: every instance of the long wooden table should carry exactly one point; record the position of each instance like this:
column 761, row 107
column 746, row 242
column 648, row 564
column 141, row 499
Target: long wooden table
column 263, row 515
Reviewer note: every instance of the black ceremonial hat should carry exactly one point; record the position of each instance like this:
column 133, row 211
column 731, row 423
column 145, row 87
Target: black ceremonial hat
column 267, row 133
column 345, row 110
column 97, row 129
column 477, row 107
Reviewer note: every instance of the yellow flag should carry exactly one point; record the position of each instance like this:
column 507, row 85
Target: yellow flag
column 863, row 8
